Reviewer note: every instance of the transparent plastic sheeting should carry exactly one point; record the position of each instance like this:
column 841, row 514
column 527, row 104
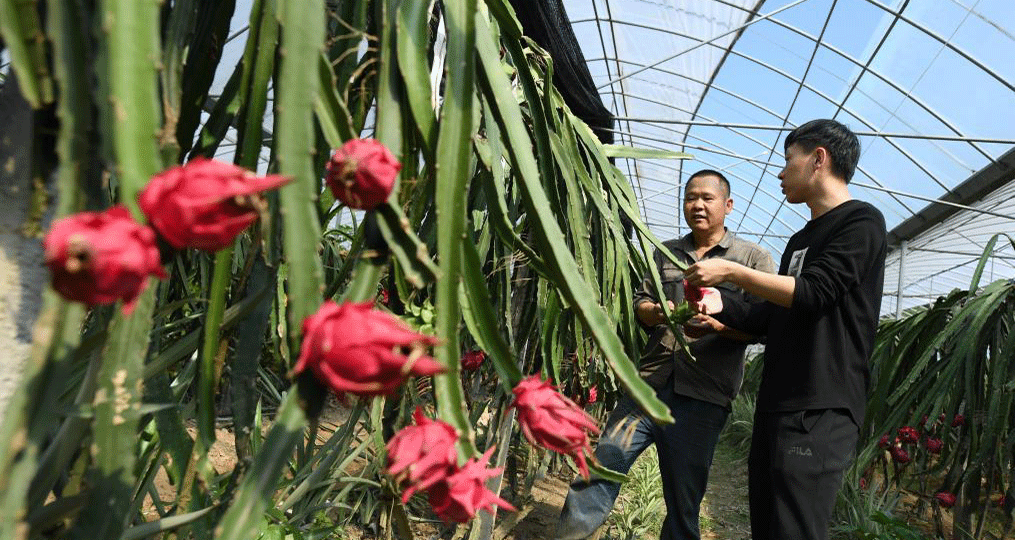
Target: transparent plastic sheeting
column 929, row 86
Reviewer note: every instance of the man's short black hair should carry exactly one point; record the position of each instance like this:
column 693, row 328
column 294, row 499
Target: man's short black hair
column 842, row 145
column 709, row 172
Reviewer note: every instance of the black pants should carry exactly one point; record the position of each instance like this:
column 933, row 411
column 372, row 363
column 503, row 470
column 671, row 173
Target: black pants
column 795, row 470
column 685, row 450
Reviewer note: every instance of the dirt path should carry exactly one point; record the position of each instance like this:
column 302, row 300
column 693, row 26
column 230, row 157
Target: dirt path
column 548, row 498
column 724, row 512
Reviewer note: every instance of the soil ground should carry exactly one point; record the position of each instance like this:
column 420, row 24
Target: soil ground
column 724, row 512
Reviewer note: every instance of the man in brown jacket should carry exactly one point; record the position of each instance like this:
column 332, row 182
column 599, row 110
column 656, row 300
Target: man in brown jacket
column 698, row 392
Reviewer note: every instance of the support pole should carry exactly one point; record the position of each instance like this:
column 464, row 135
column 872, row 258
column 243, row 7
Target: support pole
column 898, row 288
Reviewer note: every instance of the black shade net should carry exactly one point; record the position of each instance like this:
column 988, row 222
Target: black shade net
column 546, row 23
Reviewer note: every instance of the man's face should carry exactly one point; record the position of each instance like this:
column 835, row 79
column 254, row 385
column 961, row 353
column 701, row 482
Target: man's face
column 706, row 204
column 798, row 175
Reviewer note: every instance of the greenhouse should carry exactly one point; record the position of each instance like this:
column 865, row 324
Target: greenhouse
column 507, row 269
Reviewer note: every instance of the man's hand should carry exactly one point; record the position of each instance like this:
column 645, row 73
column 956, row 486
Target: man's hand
column 702, row 325
column 710, row 303
column 710, row 272
column 651, row 313
column 775, row 288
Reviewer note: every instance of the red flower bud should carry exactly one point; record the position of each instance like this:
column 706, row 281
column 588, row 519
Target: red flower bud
column 947, row 500
column 863, row 483
column 205, row 203
column 899, row 455
column 458, row 497
column 883, row 442
column 593, row 394
column 354, row 348
column 909, row 435
column 385, row 297
column 923, row 421
column 958, row 420
column 934, row 445
column 419, row 456
column 362, row 173
column 551, row 420
column 472, row 360
column 101, row 257
column 693, row 293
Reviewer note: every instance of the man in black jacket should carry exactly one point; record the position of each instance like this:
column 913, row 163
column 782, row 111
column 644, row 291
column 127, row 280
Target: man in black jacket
column 820, row 318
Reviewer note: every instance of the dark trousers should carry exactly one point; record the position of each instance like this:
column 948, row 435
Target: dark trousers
column 795, row 470
column 685, row 451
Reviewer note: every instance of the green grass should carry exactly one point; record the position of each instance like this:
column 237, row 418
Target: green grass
column 724, row 510
column 640, row 509
column 736, row 436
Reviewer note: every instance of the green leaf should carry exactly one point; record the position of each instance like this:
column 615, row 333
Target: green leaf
column 942, row 357
column 332, row 114
column 73, row 107
column 302, row 41
column 179, row 36
column 495, row 85
column 346, row 41
column 576, row 214
column 477, row 308
column 186, row 346
column 620, row 189
column 204, row 53
column 413, row 43
column 496, row 199
column 258, row 65
column 61, row 449
column 46, row 517
column 21, row 31
column 988, row 250
column 220, row 117
column 607, row 474
column 250, row 336
column 505, row 16
column 388, row 113
column 631, row 152
column 453, row 172
column 117, row 411
column 207, row 379
column 173, row 436
column 592, row 190
column 552, row 334
column 368, row 266
column 158, row 526
column 29, row 420
column 408, row 249
column 254, row 494
column 132, row 48
column 318, row 471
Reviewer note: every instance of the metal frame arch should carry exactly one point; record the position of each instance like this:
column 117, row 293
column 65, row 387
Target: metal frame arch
column 773, row 113
column 839, row 104
column 862, row 65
